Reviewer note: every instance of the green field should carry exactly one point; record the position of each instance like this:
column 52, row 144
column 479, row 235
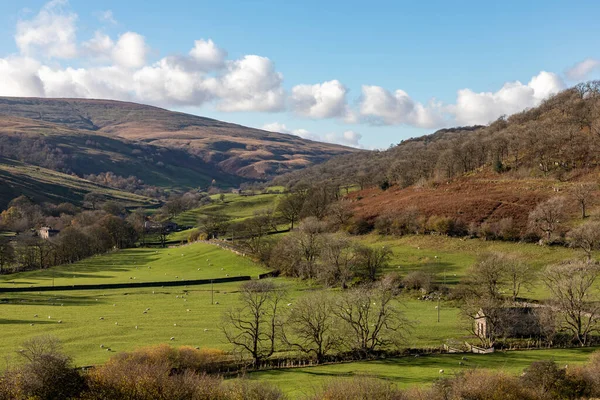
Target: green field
column 449, row 258
column 236, row 207
column 410, row 371
column 142, row 265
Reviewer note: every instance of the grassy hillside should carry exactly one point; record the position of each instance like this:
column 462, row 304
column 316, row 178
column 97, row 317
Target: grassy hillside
column 141, row 265
column 45, row 185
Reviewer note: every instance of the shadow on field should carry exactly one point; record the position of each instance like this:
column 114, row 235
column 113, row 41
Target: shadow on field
column 51, row 300
column 25, row 322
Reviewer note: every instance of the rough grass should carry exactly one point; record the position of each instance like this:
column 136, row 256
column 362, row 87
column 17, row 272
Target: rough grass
column 142, row 265
column 236, row 207
column 41, row 184
column 449, row 258
column 411, row 371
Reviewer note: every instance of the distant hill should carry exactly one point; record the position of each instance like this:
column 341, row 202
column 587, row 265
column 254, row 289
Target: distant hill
column 44, row 185
column 159, row 146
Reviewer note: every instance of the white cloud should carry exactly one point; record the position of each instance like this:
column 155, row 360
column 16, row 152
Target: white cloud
column 482, row 108
column 51, row 33
column 130, row 50
column 380, row 106
column 207, row 56
column 582, row 69
column 99, row 47
column 249, row 84
column 322, row 100
column 18, row 77
column 347, row 138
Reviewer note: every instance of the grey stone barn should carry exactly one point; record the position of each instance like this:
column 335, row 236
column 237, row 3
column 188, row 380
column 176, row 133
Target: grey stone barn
column 508, row 322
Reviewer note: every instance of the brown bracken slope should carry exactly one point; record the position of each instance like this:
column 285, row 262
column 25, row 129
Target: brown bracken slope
column 476, row 198
column 233, row 149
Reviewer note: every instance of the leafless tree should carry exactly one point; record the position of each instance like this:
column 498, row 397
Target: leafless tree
column 311, row 325
column 370, row 261
column 290, row 207
column 547, row 216
column 371, row 319
column 574, row 290
column 583, row 194
column 586, row 237
column 338, row 258
column 254, row 326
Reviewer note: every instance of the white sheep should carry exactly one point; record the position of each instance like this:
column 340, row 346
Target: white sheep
column 172, row 338
column 441, row 371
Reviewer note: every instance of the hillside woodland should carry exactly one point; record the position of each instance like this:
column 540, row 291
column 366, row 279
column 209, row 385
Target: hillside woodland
column 480, row 174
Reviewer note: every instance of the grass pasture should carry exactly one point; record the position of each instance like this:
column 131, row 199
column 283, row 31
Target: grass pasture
column 142, row 265
column 412, row 371
column 236, row 207
column 448, row 259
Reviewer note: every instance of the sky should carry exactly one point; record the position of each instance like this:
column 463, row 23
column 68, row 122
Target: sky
column 366, row 74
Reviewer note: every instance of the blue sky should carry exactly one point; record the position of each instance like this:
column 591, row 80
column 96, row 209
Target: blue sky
column 359, row 73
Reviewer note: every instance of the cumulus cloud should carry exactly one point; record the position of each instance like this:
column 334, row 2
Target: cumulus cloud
column 18, row 77
column 380, row 106
column 130, row 50
column 347, row 138
column 484, row 107
column 322, row 100
column 207, row 56
column 249, row 84
column 582, row 69
column 50, row 33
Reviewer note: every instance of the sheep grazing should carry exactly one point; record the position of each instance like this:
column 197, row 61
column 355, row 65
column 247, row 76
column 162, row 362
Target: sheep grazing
column 188, row 310
column 116, row 323
column 226, row 274
column 460, row 363
column 289, row 304
column 60, row 321
column 172, row 338
column 30, row 324
column 35, row 316
column 114, row 305
column 101, row 346
column 136, row 327
column 101, row 318
column 174, row 324
column 108, row 349
column 441, row 371
column 205, row 329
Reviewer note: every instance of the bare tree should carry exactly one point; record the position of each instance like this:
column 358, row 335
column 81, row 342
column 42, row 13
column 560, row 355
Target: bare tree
column 311, row 325
column 573, row 287
column 586, row 237
column 371, row 261
column 517, row 275
column 255, row 325
column 371, row 319
column 338, row 257
column 547, row 216
column 290, row 207
column 583, row 194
